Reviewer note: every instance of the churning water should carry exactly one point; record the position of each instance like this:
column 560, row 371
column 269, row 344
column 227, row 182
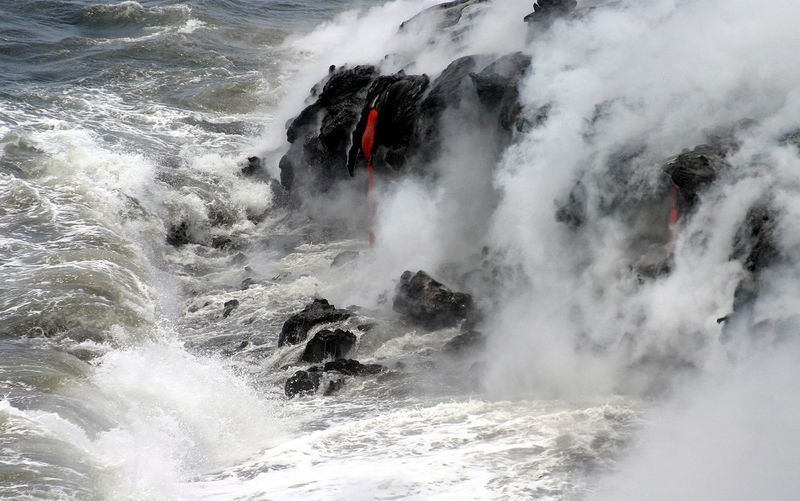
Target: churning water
column 122, row 379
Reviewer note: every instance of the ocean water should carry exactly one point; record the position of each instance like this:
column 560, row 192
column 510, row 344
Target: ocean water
column 121, row 379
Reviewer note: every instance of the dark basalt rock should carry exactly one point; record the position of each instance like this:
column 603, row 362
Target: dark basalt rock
column 295, row 329
column 350, row 367
column 546, row 11
column 497, row 87
column 228, row 307
column 178, row 234
column 429, row 303
column 302, row 383
column 253, row 166
column 308, row 381
column 755, row 241
column 329, row 344
column 755, row 245
column 446, row 92
column 692, row 170
column 396, row 98
column 466, row 341
column 320, row 134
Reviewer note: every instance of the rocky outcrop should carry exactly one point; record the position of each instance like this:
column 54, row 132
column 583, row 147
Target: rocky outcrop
column 328, row 344
column 547, row 11
column 429, row 303
column 334, row 374
column 302, row 383
column 326, row 137
column 755, row 246
column 295, row 329
column 692, row 170
column 178, row 234
column 396, row 99
column 320, row 134
column 228, row 307
column 497, row 87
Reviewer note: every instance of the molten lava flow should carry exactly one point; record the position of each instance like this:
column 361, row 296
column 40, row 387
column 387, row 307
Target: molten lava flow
column 367, row 143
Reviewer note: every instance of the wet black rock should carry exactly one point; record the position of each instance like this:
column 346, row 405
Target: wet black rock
column 295, row 329
column 228, row 307
column 546, row 11
column 497, row 87
column 327, row 344
column 178, row 234
column 336, row 372
column 429, row 303
column 755, row 245
column 350, row 367
column 396, row 98
column 447, row 91
column 253, row 166
column 692, row 170
column 464, row 342
column 302, row 383
column 320, row 134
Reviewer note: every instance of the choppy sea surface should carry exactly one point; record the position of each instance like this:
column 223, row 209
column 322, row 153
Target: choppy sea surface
column 120, row 377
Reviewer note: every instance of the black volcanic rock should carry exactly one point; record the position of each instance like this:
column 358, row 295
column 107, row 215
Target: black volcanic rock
column 178, row 234
column 295, row 329
column 692, row 170
column 228, row 307
column 320, row 134
column 546, row 11
column 429, row 303
column 329, row 344
column 396, row 99
column 336, row 373
column 497, row 87
column 353, row 367
column 302, row 383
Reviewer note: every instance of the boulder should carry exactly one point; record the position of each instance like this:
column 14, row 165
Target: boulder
column 336, row 372
column 429, row 303
column 692, row 170
column 228, row 307
column 328, row 344
column 295, row 329
column 253, row 167
column 178, row 234
column 302, row 383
